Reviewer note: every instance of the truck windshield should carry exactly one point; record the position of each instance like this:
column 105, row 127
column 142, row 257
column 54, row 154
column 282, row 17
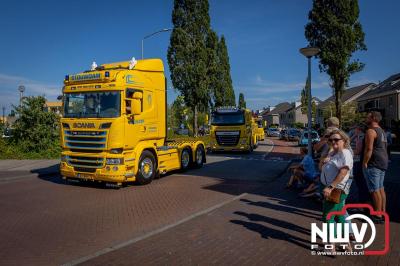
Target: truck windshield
column 92, row 104
column 219, row 119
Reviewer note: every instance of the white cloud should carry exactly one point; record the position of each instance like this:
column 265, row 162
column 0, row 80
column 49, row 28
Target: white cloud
column 258, row 85
column 9, row 89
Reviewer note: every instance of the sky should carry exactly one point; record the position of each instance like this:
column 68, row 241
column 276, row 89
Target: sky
column 42, row 41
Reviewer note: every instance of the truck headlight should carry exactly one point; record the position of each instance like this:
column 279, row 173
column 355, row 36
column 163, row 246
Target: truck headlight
column 117, row 150
column 63, row 158
column 114, row 161
column 243, row 142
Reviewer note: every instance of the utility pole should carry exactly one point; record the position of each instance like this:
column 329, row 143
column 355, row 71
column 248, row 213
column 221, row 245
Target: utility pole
column 309, row 52
column 21, row 90
column 4, row 115
column 148, row 36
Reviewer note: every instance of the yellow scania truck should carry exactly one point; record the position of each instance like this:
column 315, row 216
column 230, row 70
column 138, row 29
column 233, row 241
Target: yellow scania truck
column 233, row 129
column 113, row 127
column 260, row 128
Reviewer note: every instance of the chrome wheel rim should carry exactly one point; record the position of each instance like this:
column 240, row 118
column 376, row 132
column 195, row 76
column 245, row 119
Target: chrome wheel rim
column 199, row 156
column 146, row 168
column 185, row 159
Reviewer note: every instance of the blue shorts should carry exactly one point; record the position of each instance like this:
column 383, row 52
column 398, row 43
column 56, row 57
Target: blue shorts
column 374, row 178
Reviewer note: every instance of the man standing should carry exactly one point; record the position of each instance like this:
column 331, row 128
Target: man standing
column 357, row 144
column 375, row 162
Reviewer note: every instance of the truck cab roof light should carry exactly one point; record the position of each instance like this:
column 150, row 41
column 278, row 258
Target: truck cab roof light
column 93, row 66
column 66, row 77
column 132, row 63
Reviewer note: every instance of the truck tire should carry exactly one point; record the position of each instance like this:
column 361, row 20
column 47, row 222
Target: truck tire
column 186, row 159
column 199, row 156
column 147, row 168
column 250, row 150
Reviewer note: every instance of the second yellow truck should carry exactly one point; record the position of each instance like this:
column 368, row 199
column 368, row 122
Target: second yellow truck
column 233, row 129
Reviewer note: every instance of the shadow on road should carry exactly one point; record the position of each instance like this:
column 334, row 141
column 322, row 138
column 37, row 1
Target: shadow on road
column 268, row 232
column 52, row 174
column 276, row 222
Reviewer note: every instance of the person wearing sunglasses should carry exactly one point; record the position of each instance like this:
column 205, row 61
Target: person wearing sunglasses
column 335, row 175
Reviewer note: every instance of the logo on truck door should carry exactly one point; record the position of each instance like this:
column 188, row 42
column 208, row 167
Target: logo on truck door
column 129, row 79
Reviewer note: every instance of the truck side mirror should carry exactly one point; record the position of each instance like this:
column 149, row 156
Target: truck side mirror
column 138, row 95
column 136, row 106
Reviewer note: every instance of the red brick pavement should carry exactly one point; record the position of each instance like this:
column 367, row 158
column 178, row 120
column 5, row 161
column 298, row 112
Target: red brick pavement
column 46, row 223
column 270, row 226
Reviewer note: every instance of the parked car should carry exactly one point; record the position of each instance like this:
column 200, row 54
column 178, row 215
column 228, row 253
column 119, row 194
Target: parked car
column 273, row 132
column 8, row 132
column 293, row 134
column 303, row 141
column 283, row 134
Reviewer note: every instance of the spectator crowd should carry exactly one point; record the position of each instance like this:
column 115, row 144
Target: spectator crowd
column 339, row 158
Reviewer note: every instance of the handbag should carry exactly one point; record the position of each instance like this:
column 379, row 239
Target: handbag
column 335, row 195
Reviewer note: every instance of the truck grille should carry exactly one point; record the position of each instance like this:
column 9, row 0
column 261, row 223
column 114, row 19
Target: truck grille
column 227, row 138
column 85, row 140
column 85, row 161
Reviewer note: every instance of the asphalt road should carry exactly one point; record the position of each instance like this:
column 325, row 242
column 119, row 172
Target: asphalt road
column 47, row 222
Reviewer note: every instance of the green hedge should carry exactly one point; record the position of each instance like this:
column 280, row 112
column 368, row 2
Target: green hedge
column 10, row 150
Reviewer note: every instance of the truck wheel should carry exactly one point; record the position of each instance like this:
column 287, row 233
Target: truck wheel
column 186, row 159
column 147, row 168
column 199, row 157
column 250, row 150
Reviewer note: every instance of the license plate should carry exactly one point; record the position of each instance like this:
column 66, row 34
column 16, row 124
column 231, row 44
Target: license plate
column 84, row 176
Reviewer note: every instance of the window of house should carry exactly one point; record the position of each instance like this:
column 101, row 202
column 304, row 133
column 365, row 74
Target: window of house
column 377, row 103
column 391, row 101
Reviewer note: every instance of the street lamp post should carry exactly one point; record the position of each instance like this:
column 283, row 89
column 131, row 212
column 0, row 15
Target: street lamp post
column 309, row 52
column 21, row 90
column 148, row 36
column 4, row 115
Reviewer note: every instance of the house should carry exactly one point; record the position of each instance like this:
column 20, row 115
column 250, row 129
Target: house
column 384, row 98
column 271, row 114
column 295, row 114
column 8, row 120
column 349, row 95
column 54, row 107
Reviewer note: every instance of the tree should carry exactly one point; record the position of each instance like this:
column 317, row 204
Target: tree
column 242, row 102
column 220, row 85
column 35, row 129
column 188, row 54
column 227, row 94
column 304, row 104
column 350, row 116
column 178, row 112
column 334, row 27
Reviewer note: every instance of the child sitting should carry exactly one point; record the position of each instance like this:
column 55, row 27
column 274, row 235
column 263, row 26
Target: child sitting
column 304, row 173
